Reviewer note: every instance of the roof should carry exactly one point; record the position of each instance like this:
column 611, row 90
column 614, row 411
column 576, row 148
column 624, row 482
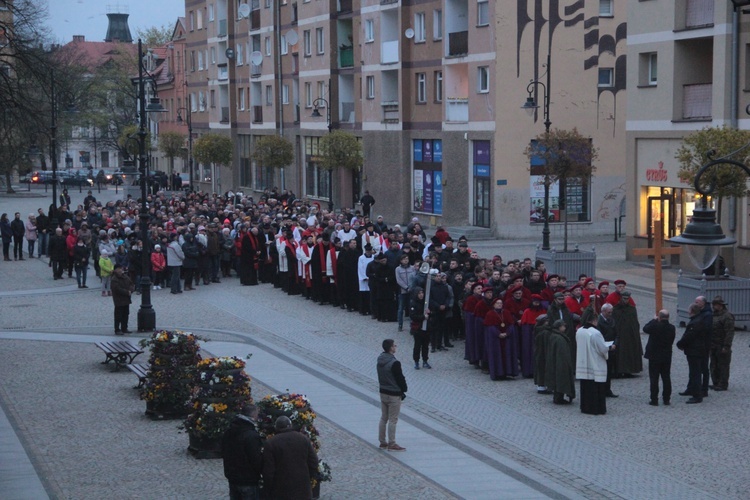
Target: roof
column 96, row 54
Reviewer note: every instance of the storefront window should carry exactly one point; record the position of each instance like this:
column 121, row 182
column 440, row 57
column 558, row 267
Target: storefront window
column 427, row 177
column 317, row 179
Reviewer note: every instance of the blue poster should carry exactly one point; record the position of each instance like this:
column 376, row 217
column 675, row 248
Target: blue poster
column 438, row 193
column 418, row 150
column 481, row 170
column 428, row 191
column 437, row 151
column 427, row 151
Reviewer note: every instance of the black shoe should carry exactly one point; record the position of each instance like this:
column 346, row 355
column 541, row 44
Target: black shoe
column 720, row 388
column 125, row 330
column 666, row 402
column 653, row 402
column 561, row 402
column 545, row 391
column 118, row 332
column 693, row 401
column 449, row 345
column 432, row 350
column 611, row 394
column 686, row 393
column 705, row 394
column 84, row 286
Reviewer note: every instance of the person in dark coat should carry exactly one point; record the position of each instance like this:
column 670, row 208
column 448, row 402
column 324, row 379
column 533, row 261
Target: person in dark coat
column 417, row 314
column 721, row 344
column 58, row 253
column 659, row 355
column 7, row 235
column 249, row 258
column 558, row 310
column 629, row 347
column 81, row 255
column 122, row 289
column 190, row 263
column 242, row 452
column 321, row 282
column 606, row 324
column 541, row 337
column 367, row 201
column 19, row 230
column 560, row 370
column 694, row 343
column 348, row 279
column 289, row 462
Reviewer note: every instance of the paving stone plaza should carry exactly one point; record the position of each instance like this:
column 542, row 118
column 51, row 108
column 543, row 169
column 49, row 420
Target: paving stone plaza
column 72, row 428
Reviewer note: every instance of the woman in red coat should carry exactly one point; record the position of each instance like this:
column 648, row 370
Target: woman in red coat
column 501, row 342
column 70, row 243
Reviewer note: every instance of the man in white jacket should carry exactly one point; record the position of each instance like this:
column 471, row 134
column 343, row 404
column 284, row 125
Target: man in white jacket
column 591, row 365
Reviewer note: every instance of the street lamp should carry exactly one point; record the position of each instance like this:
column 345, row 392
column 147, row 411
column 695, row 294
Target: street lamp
column 702, row 237
column 189, row 121
column 531, row 106
column 53, row 141
column 316, row 114
column 146, row 313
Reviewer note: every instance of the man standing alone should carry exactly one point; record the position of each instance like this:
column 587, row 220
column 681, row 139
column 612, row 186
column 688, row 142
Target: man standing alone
column 721, row 344
column 122, row 288
column 659, row 355
column 242, row 451
column 289, row 462
column 392, row 392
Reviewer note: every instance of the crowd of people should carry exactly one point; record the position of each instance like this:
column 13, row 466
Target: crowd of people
column 516, row 318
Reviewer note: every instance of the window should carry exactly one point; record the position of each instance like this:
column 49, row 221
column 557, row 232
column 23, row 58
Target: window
column 605, row 8
column 200, row 60
column 483, row 13
column 241, row 98
column 199, row 18
column 438, row 86
column 306, row 43
column 269, row 95
column 240, row 59
column 419, row 29
column 483, row 79
column 268, row 4
column 606, row 77
column 201, row 101
column 437, row 24
column 321, row 92
column 268, row 45
column 205, row 57
column 285, row 94
column 212, row 101
column 319, row 40
column 317, row 179
column 211, row 12
column 421, row 88
column 369, row 30
column 370, row 80
column 284, row 46
column 192, row 20
column 652, row 60
column 193, row 103
column 213, row 55
column 308, row 95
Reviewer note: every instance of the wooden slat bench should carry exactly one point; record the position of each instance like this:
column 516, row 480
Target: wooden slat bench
column 141, row 371
column 121, row 352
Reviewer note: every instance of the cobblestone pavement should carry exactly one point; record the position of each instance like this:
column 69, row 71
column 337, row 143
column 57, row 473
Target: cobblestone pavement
column 635, row 451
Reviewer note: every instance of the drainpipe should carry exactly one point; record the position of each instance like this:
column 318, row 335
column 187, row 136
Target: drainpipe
column 733, row 102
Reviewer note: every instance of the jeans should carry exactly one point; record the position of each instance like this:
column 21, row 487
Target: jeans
column 390, row 407
column 214, row 262
column 81, row 273
column 6, row 248
column 17, row 247
column 43, row 241
column 403, row 300
column 237, row 492
column 174, row 281
column 30, row 244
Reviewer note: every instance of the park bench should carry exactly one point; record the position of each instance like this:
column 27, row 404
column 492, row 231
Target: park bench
column 141, row 371
column 121, row 352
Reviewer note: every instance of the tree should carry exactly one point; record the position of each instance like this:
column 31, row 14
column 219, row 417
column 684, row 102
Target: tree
column 130, row 147
column 155, row 36
column 171, row 144
column 213, row 149
column 702, row 146
column 566, row 154
column 340, row 149
column 273, row 151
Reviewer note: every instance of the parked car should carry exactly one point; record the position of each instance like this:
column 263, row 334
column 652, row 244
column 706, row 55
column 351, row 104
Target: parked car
column 78, row 178
column 41, row 177
column 109, row 176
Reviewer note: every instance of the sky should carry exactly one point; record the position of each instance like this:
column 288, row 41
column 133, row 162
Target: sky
column 89, row 17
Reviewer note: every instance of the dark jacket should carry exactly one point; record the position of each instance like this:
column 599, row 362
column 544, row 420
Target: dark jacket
column 289, row 461
column 242, row 451
column 58, row 248
column 416, row 308
column 722, row 330
column 390, row 376
column 190, row 249
column 661, row 337
column 18, row 228
column 695, row 340
column 6, row 231
column 81, row 254
column 121, row 286
column 607, row 328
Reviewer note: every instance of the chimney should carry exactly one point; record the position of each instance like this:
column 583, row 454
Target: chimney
column 118, row 30
column 79, row 38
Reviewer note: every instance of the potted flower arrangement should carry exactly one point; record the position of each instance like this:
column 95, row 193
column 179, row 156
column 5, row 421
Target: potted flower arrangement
column 297, row 407
column 220, row 389
column 167, row 389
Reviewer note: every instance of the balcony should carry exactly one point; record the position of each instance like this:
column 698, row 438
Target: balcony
column 345, row 6
column 222, row 28
column 346, row 57
column 225, row 114
column 390, row 112
column 256, row 70
column 458, row 43
column 223, row 72
column 257, row 114
column 389, row 52
column 347, row 112
column 387, row 2
column 457, row 110
column 696, row 101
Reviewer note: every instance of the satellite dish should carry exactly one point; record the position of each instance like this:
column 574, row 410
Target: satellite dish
column 243, row 11
column 256, row 57
column 229, row 53
column 409, row 33
column 292, row 37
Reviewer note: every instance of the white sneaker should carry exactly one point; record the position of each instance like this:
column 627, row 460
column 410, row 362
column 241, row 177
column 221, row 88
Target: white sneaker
column 156, row 287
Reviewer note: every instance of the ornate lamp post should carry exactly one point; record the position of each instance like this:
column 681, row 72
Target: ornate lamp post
column 146, row 313
column 531, row 106
column 316, row 114
column 189, row 121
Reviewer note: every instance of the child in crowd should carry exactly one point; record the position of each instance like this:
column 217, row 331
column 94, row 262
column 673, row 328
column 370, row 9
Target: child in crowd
column 106, row 266
column 158, row 264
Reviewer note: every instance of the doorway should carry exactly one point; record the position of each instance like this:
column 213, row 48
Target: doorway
column 661, row 207
column 482, row 201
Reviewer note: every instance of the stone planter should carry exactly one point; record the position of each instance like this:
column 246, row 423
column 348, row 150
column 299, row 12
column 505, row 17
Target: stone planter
column 734, row 290
column 204, row 448
column 569, row 264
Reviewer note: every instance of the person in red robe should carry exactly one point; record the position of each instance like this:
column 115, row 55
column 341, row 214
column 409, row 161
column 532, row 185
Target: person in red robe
column 470, row 351
column 526, row 336
column 480, row 311
column 576, row 302
column 548, row 294
column 615, row 297
column 500, row 338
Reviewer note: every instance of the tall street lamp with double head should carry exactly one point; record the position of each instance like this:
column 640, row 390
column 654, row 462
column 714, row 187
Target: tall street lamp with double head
column 146, row 313
column 531, row 106
column 316, row 114
column 189, row 122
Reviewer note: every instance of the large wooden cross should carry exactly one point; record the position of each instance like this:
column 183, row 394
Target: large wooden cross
column 657, row 252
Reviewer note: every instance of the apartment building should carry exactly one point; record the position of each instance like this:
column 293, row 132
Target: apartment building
column 432, row 89
column 682, row 80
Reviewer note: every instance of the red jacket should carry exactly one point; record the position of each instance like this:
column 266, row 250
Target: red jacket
column 158, row 261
